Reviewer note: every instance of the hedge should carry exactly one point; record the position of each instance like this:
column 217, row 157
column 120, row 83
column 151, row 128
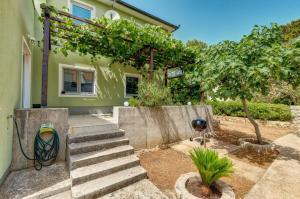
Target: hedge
column 263, row 111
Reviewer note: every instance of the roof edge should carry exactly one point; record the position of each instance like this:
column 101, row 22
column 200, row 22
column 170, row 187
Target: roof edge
column 147, row 14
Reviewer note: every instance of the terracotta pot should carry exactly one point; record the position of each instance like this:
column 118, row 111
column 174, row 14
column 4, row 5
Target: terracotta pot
column 183, row 193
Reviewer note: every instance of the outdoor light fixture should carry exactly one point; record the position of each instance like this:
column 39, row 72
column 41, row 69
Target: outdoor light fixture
column 189, row 103
column 126, row 103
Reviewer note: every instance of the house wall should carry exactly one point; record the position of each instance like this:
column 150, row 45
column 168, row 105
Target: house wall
column 18, row 19
column 110, row 79
column 16, row 22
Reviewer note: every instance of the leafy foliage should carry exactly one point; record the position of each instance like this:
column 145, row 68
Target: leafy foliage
column 281, row 93
column 184, row 90
column 291, row 30
column 210, row 166
column 197, row 44
column 134, row 102
column 240, row 70
column 263, row 111
column 152, row 94
column 187, row 88
column 120, row 40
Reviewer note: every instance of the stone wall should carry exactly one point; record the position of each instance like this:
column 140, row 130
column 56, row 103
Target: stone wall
column 148, row 127
column 29, row 120
column 296, row 115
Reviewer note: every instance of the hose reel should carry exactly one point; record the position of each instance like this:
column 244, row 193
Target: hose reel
column 46, row 145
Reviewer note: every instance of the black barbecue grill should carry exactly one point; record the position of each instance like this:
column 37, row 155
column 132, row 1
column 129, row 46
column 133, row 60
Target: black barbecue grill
column 200, row 125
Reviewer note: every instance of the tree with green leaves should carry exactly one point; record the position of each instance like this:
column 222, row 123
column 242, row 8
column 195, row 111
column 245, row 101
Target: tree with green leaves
column 187, row 87
column 291, row 30
column 197, row 44
column 239, row 70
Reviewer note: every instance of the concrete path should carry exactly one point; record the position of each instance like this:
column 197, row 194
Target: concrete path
column 282, row 179
column 140, row 190
column 186, row 146
column 32, row 184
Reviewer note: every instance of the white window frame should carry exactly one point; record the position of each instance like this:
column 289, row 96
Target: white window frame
column 77, row 67
column 28, row 63
column 83, row 5
column 130, row 75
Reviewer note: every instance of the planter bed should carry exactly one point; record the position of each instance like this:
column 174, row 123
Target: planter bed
column 187, row 184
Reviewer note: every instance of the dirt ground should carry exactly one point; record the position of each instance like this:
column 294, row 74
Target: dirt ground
column 231, row 129
column 165, row 166
column 254, row 158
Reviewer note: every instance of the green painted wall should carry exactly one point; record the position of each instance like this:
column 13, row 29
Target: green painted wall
column 110, row 80
column 17, row 20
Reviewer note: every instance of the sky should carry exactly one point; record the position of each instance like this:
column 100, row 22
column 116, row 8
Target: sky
column 213, row 21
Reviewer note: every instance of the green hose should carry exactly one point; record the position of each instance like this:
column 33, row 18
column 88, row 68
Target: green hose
column 45, row 151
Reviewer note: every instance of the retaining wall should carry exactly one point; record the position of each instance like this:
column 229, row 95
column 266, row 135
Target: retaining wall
column 147, row 127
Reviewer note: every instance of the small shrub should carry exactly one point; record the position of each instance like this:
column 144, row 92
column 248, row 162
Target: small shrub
column 134, row 102
column 263, row 111
column 152, row 94
column 210, row 166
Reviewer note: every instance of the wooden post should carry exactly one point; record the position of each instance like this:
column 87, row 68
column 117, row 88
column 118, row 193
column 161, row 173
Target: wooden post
column 151, row 65
column 46, row 48
column 166, row 77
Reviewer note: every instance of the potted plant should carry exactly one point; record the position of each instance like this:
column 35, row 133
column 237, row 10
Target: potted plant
column 206, row 183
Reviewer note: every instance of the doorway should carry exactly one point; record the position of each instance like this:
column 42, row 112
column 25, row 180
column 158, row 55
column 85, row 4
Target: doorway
column 26, row 76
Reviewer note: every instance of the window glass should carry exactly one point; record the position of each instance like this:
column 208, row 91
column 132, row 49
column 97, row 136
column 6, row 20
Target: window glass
column 132, row 85
column 70, row 81
column 87, row 82
column 81, row 11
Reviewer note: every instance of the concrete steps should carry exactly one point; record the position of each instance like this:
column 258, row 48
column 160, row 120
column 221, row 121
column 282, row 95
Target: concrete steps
column 94, row 171
column 109, row 183
column 94, row 157
column 101, row 160
column 81, row 129
column 85, row 147
column 90, row 136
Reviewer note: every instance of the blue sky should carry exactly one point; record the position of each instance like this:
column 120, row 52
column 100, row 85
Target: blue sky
column 215, row 20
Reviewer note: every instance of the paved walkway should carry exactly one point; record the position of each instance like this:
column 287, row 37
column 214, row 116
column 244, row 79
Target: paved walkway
column 282, row 179
column 32, row 184
column 143, row 189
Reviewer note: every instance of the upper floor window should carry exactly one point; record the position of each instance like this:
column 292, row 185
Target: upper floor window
column 82, row 10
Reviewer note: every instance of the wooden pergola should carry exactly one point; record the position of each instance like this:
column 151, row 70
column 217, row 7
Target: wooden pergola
column 48, row 18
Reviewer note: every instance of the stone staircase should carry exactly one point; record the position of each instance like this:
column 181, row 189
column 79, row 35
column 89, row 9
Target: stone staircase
column 101, row 161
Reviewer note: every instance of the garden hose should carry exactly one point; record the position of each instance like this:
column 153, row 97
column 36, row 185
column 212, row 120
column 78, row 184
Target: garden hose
column 45, row 151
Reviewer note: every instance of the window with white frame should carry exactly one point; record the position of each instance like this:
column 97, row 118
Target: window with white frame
column 131, row 85
column 82, row 10
column 77, row 81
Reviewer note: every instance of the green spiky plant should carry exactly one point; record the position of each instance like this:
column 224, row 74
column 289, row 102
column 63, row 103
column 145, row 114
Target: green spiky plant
column 210, row 166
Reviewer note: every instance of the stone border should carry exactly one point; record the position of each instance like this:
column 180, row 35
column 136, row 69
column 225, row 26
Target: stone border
column 245, row 143
column 183, row 193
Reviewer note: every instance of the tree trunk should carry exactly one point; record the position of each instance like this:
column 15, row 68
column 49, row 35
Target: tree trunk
column 253, row 122
column 202, row 97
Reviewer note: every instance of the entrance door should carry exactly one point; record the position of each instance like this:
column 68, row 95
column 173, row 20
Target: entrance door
column 26, row 76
